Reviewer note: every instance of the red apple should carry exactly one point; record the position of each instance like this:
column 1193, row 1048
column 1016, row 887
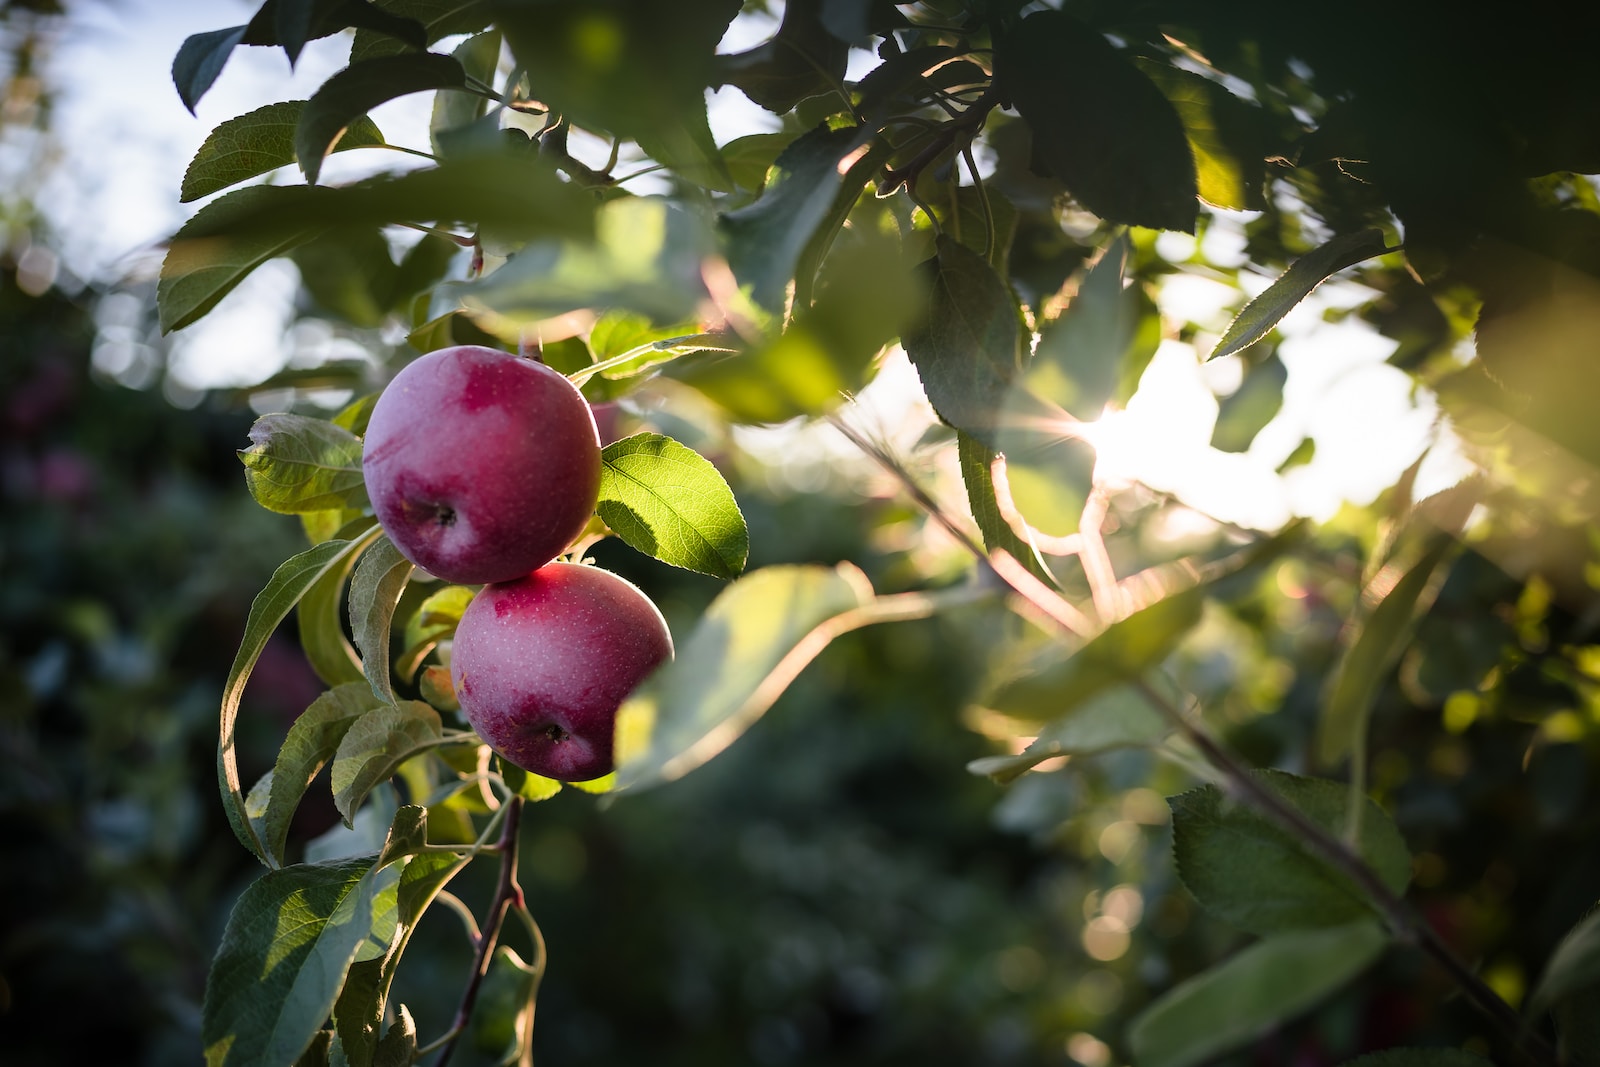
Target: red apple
column 481, row 466
column 541, row 665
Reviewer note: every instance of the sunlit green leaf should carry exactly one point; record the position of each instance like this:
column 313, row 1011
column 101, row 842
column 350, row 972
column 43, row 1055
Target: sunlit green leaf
column 528, row 786
column 1250, row 992
column 375, row 589
column 434, row 620
column 296, row 463
column 669, row 502
column 256, row 143
column 976, row 460
column 375, row 745
column 1252, row 873
column 359, row 88
column 284, row 955
column 1294, row 285
column 1118, row 718
column 320, row 614
column 753, row 640
column 287, row 585
column 1098, row 123
column 1225, row 132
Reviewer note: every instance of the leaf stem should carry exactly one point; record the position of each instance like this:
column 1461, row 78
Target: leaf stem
column 507, row 895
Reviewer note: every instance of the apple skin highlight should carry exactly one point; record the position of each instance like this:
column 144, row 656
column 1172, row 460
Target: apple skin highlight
column 541, row 665
column 481, row 466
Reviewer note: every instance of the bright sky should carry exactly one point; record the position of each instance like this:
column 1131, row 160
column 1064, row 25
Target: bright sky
column 114, row 199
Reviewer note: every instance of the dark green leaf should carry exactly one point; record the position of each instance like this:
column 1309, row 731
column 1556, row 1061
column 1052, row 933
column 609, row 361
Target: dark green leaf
column 284, row 955
column 976, row 460
column 320, row 614
column 751, row 156
column 669, row 502
column 766, row 239
column 231, row 236
column 296, row 463
column 1294, row 285
column 1251, row 992
column 1258, row 876
column 966, row 353
column 1095, row 351
column 360, row 87
column 313, row 739
column 256, row 143
column 803, row 59
column 200, row 59
column 375, row 745
column 349, row 275
column 317, row 1053
column 1572, row 968
column 502, row 1017
column 1118, row 718
column 399, row 1045
column 292, row 23
column 1055, row 683
column 1249, row 408
column 287, row 585
column 422, row 267
column 1373, row 646
column 1098, row 123
column 753, row 640
column 439, row 18
column 380, row 578
column 479, row 57
column 1419, row 1057
column 635, row 68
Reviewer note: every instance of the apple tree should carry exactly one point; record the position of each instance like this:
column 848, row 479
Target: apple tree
column 992, row 188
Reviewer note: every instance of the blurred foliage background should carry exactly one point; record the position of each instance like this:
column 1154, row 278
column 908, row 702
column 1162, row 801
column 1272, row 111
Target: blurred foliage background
column 837, row 889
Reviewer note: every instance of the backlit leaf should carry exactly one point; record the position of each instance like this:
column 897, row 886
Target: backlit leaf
column 1243, row 413
column 502, row 1017
column 479, row 57
column 802, row 59
column 352, row 92
column 287, row 585
column 1226, row 134
column 375, row 589
column 320, row 614
column 375, row 745
column 1098, row 123
column 1118, row 718
column 753, row 640
column 669, row 502
column 1249, row 993
column 434, row 620
column 1294, row 285
column 439, row 19
column 976, row 460
column 284, row 955
column 200, row 59
column 296, row 463
column 1250, row 872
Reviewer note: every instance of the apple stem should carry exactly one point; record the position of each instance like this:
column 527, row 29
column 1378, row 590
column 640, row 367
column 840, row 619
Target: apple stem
column 508, row 895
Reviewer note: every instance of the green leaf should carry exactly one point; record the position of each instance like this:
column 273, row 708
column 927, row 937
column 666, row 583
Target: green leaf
column 1249, row 408
column 1226, row 133
column 284, row 955
column 287, row 585
column 380, row 578
column 534, row 787
column 502, row 1017
column 646, row 257
column 1095, row 351
column 231, row 236
column 1294, row 285
column 256, row 143
column 1249, row 993
column 1099, row 124
column 320, row 615
column 802, row 59
column 439, row 18
column 349, row 274
column 966, row 353
column 976, row 460
column 1253, row 874
column 318, row 1052
column 1053, row 683
column 753, row 640
column 434, row 620
column 1373, row 646
column 669, row 502
column 1419, row 1057
column 200, row 59
column 750, row 157
column 1573, row 967
column 766, row 239
column 398, row 1048
column 360, row 87
column 313, row 739
column 635, row 68
column 1118, row 718
column 479, row 57
column 296, row 464
column 375, row 745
